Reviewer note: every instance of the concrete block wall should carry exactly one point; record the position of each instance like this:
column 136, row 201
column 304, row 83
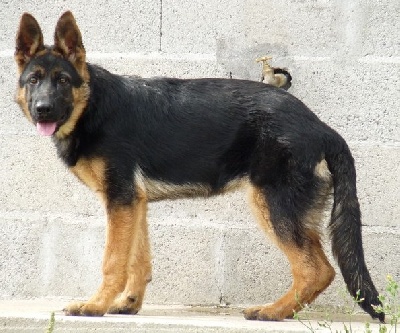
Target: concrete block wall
column 345, row 60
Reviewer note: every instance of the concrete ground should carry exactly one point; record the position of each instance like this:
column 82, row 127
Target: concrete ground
column 34, row 316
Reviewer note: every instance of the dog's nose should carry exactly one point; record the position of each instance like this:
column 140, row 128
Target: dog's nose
column 43, row 108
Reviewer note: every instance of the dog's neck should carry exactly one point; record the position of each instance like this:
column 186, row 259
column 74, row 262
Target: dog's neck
column 68, row 149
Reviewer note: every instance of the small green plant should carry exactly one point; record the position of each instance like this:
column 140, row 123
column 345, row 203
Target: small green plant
column 52, row 320
column 305, row 319
column 390, row 306
column 390, row 303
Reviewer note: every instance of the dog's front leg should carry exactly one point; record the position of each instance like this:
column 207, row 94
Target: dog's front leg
column 139, row 267
column 122, row 221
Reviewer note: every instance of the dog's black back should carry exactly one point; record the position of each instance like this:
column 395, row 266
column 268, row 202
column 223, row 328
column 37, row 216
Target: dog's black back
column 201, row 131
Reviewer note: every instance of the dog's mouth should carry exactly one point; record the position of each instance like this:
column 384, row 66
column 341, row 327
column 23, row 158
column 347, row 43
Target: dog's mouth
column 46, row 128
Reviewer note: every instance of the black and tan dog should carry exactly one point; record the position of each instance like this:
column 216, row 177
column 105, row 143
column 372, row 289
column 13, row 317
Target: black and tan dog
column 135, row 140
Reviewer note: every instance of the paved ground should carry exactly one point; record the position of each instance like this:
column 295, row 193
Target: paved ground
column 33, row 316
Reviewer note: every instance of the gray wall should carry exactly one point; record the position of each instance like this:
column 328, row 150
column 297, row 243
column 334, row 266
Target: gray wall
column 345, row 60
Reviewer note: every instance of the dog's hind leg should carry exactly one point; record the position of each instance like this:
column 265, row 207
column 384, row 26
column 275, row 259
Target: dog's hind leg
column 139, row 271
column 311, row 270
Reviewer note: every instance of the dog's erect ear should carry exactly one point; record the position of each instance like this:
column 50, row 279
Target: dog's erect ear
column 68, row 39
column 29, row 40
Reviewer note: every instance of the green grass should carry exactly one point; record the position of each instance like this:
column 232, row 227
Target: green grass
column 50, row 327
column 390, row 306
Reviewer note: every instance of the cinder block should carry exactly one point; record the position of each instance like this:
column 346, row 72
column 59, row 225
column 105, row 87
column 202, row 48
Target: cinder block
column 298, row 27
column 255, row 270
column 70, row 256
column 19, row 271
column 34, row 179
column 317, row 28
column 227, row 211
column 382, row 258
column 378, row 248
column 184, row 66
column 191, row 27
column 11, row 119
column 106, row 26
column 45, row 256
column 350, row 98
column 378, row 183
column 50, row 256
column 238, row 57
column 381, row 29
column 185, row 267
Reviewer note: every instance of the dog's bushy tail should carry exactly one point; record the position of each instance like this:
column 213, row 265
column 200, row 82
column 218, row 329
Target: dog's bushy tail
column 345, row 226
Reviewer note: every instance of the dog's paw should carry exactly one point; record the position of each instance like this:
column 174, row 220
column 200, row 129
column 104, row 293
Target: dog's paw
column 265, row 313
column 126, row 305
column 84, row 309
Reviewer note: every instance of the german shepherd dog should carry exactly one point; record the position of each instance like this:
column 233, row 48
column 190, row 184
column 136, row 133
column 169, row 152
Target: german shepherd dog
column 134, row 140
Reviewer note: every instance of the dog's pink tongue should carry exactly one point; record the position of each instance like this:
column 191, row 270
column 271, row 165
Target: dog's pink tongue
column 46, row 129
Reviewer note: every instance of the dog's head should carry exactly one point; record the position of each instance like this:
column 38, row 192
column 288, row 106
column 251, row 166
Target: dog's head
column 53, row 80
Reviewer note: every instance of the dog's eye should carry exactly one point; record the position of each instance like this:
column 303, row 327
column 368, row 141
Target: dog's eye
column 33, row 80
column 63, row 79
